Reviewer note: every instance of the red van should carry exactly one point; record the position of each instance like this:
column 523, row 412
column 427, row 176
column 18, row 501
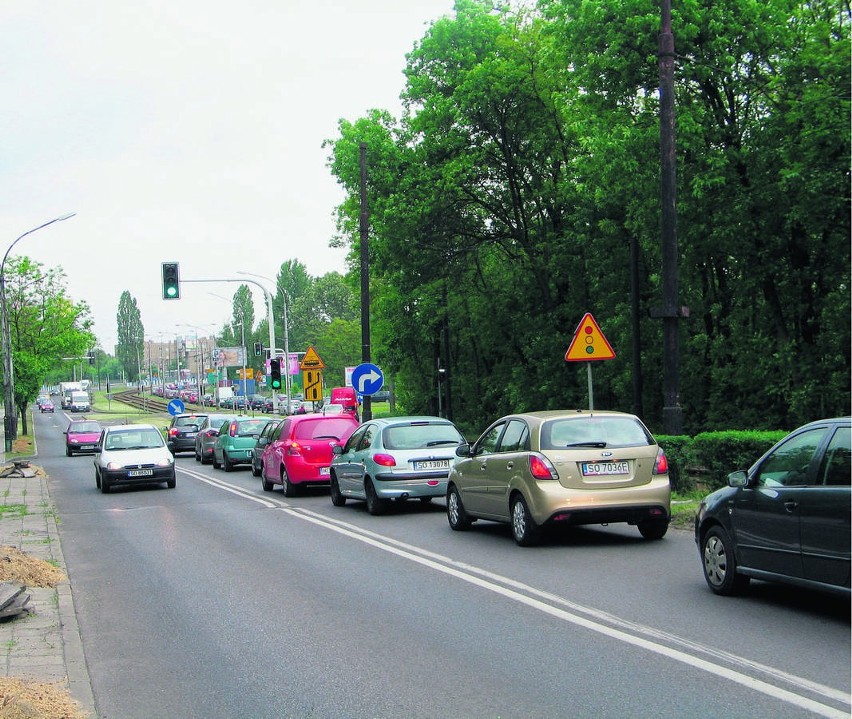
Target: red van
column 346, row 397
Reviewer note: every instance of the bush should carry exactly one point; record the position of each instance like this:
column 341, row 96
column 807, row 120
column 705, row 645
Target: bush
column 716, row 454
column 676, row 448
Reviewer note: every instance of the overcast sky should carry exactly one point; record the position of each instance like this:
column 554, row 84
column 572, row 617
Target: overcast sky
column 188, row 131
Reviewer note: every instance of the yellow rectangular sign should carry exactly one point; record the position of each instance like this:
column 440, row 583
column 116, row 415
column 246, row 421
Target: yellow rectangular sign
column 312, row 383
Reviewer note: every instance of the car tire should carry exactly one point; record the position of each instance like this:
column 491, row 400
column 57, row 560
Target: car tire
column 290, row 489
column 197, row 456
column 337, row 498
column 226, row 462
column 267, row 485
column 171, row 483
column 524, row 529
column 720, row 565
column 216, row 464
column 105, row 485
column 653, row 528
column 375, row 505
column 206, row 460
column 255, row 472
column 456, row 514
column 97, row 480
column 68, row 452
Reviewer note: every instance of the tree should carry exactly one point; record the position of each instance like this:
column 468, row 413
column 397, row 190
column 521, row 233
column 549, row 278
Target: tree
column 131, row 336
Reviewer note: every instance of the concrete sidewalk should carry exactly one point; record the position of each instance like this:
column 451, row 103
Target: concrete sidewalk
column 46, row 645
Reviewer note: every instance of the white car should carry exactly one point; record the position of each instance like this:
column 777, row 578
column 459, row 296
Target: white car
column 133, row 454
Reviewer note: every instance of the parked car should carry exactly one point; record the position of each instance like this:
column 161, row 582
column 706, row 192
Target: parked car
column 394, row 458
column 206, row 436
column 46, row 406
column 208, row 400
column 262, row 441
column 81, row 437
column 133, row 454
column 180, row 434
column 561, row 468
column 257, row 402
column 786, row 519
column 236, row 441
column 299, row 451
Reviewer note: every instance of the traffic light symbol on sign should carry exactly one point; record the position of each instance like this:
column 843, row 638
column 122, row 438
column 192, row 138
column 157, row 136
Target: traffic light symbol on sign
column 275, row 373
column 171, row 281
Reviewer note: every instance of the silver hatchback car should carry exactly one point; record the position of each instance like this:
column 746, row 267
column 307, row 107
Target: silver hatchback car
column 394, row 458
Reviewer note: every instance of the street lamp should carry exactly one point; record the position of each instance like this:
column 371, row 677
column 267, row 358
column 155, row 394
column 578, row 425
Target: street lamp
column 10, row 418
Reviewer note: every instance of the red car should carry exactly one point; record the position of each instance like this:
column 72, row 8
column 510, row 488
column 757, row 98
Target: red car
column 299, row 452
column 82, row 437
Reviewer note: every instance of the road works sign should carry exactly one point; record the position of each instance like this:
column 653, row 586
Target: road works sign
column 311, row 360
column 589, row 343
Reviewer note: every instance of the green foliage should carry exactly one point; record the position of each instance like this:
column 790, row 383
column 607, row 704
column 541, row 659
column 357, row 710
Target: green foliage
column 717, row 454
column 131, row 336
column 677, row 448
column 503, row 202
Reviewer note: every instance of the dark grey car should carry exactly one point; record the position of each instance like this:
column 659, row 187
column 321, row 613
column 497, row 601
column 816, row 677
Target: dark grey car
column 786, row 519
column 180, row 434
column 205, row 438
column 257, row 452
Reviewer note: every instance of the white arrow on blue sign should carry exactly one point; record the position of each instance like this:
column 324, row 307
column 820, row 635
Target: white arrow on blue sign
column 367, row 378
column 176, row 406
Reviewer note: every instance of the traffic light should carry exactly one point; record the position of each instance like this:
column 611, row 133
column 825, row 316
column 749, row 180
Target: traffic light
column 275, row 373
column 171, row 281
column 258, row 349
column 91, row 356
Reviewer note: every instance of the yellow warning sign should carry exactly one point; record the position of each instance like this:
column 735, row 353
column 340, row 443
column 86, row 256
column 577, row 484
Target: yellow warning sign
column 311, row 360
column 312, row 383
column 589, row 343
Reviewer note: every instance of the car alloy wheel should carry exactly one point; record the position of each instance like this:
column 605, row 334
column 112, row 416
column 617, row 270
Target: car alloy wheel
column 290, row 489
column 337, row 498
column 524, row 529
column 456, row 515
column 375, row 505
column 720, row 565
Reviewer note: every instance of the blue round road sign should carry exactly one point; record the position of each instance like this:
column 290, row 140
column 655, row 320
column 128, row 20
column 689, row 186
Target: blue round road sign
column 176, row 406
column 367, row 378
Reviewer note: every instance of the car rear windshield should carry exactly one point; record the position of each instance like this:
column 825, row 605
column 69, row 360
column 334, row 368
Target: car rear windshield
column 419, row 435
column 249, row 427
column 87, row 427
column 594, row 431
column 195, row 419
column 324, row 428
column 134, row 439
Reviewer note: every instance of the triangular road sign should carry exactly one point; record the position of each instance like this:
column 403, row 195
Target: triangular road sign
column 311, row 360
column 589, row 343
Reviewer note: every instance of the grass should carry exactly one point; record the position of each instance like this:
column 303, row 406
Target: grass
column 13, row 510
column 684, row 507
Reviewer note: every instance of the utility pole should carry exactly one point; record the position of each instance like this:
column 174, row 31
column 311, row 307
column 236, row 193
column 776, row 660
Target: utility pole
column 367, row 412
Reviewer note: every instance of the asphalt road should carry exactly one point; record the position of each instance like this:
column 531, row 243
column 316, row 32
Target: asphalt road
column 216, row 599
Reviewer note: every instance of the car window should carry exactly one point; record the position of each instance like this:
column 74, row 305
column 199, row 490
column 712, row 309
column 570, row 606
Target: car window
column 516, row 438
column 487, row 444
column 837, row 464
column 367, row 437
column 87, row 427
column 420, row 435
column 268, row 429
column 594, row 431
column 324, row 428
column 184, row 421
column 353, row 441
column 788, row 465
column 250, row 427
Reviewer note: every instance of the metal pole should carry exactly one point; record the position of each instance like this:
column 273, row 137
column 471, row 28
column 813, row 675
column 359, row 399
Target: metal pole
column 367, row 413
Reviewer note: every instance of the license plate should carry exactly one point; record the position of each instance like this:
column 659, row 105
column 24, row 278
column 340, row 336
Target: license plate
column 432, row 464
column 325, row 470
column 140, row 472
column 596, row 469
column 87, row 446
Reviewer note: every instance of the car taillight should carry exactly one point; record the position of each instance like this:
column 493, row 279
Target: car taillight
column 384, row 460
column 661, row 466
column 232, row 431
column 294, row 449
column 173, row 432
column 541, row 468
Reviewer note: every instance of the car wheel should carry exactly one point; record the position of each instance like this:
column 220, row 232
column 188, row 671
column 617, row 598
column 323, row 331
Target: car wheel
column 337, row 498
column 720, row 565
column 653, row 528
column 97, row 480
column 206, row 460
column 267, row 485
column 197, row 455
column 68, row 452
column 216, row 464
column 171, row 483
column 255, row 472
column 105, row 485
column 226, row 462
column 375, row 505
column 524, row 529
column 456, row 514
column 290, row 489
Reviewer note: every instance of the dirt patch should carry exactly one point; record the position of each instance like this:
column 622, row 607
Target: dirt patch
column 18, row 566
column 36, row 700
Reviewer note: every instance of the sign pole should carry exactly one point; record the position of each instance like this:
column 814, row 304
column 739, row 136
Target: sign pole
column 591, row 391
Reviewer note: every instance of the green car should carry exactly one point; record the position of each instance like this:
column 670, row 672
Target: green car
column 236, row 441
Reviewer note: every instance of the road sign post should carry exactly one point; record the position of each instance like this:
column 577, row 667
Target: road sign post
column 587, row 345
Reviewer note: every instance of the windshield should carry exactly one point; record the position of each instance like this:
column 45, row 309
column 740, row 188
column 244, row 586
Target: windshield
column 85, row 428
column 134, row 439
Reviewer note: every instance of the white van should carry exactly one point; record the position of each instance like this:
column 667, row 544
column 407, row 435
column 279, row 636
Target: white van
column 80, row 402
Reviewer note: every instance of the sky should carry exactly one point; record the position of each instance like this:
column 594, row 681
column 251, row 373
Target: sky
column 186, row 131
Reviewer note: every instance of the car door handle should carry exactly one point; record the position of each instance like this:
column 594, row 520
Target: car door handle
column 791, row 505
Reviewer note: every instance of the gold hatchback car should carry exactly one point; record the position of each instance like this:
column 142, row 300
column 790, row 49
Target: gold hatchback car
column 561, row 468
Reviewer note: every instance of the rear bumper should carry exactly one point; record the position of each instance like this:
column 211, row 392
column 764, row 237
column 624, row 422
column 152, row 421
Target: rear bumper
column 421, row 484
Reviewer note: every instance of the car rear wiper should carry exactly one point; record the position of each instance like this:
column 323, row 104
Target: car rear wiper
column 441, row 441
column 587, row 444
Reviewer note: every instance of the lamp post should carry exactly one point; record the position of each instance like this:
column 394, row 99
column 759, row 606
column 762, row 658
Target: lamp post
column 10, row 419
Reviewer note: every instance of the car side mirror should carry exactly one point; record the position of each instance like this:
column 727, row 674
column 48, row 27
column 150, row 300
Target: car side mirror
column 463, row 450
column 738, row 478
column 337, row 449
